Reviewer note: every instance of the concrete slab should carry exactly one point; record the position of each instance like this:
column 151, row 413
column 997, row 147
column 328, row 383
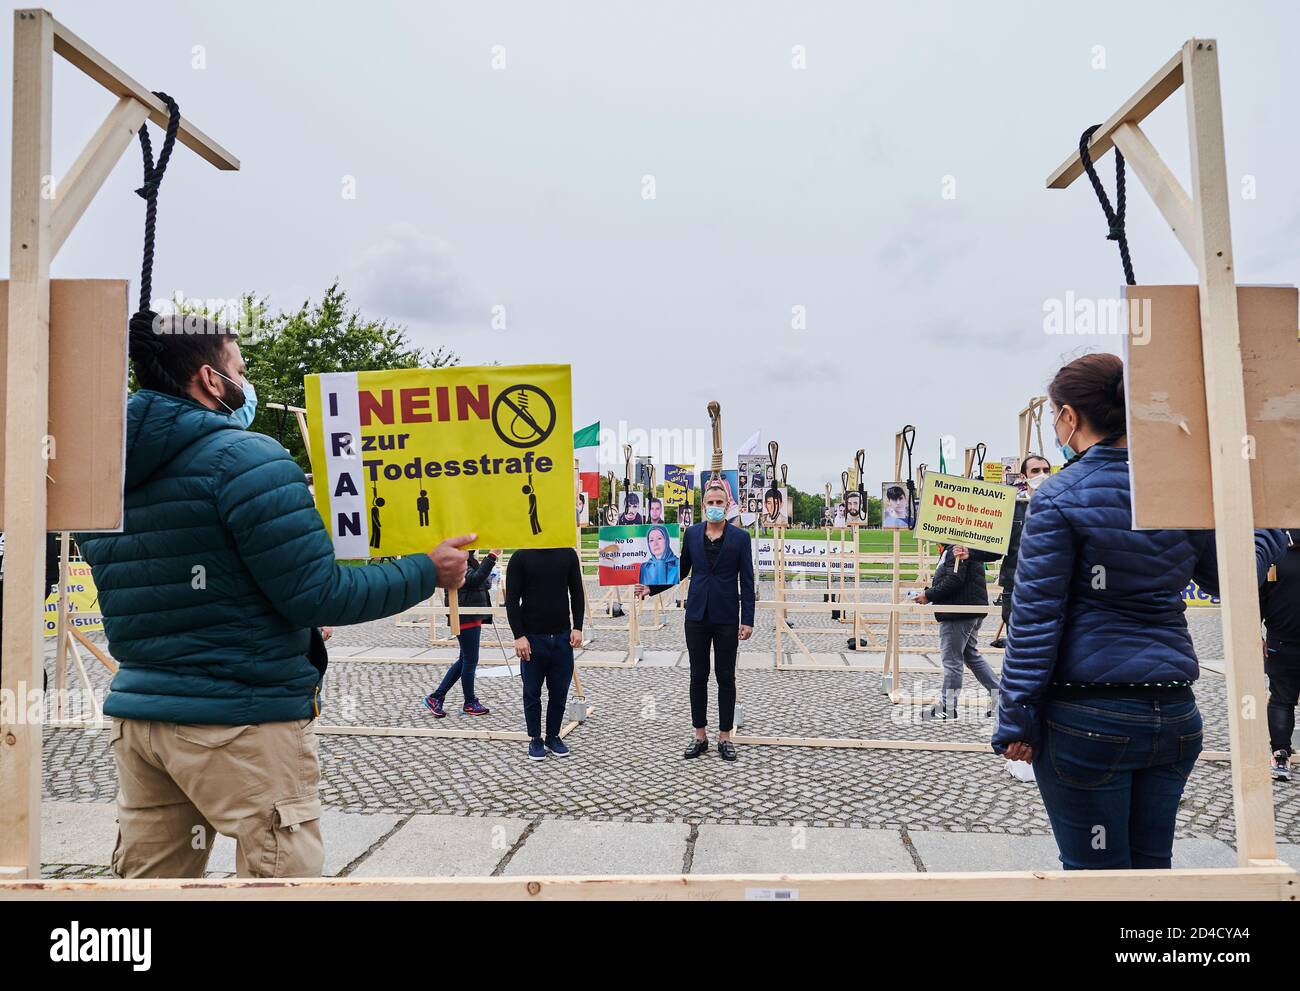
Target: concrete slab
column 78, row 832
column 1206, row 852
column 600, row 655
column 1290, row 852
column 443, row 846
column 347, row 836
column 661, row 658
column 803, row 850
column 865, row 658
column 944, row 851
column 561, row 846
column 754, row 661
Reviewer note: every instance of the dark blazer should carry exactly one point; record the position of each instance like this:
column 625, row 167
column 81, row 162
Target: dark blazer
column 718, row 595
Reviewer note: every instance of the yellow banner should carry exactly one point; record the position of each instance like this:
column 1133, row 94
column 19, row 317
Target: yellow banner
column 402, row 459
column 967, row 511
column 83, row 602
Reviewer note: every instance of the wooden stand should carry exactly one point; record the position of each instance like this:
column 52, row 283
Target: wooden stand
column 42, row 216
column 1201, row 222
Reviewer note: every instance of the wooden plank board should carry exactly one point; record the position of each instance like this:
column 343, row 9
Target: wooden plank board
column 87, row 402
column 1169, row 429
column 1269, row 880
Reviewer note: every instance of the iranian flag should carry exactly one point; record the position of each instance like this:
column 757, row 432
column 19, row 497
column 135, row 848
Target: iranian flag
column 586, row 448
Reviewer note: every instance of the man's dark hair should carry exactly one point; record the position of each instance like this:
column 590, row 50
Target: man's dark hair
column 167, row 351
column 1024, row 465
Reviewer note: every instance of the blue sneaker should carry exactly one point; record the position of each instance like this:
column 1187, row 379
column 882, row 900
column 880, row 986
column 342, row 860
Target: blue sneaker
column 536, row 751
column 557, row 746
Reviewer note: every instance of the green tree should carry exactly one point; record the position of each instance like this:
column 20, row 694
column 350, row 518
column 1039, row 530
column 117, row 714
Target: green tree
column 324, row 336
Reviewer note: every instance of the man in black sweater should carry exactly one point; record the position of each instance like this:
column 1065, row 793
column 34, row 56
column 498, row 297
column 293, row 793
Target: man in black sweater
column 542, row 586
column 959, row 580
column 1279, row 603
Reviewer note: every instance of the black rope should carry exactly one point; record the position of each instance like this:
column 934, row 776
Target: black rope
column 153, row 176
column 981, row 450
column 909, row 438
column 1115, row 217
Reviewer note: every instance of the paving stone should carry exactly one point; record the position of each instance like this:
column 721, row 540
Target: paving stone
column 798, row 850
column 559, row 846
column 78, row 832
column 661, row 658
column 627, row 767
column 443, row 846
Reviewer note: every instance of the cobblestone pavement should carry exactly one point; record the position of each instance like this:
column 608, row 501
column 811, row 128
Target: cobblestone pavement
column 626, row 762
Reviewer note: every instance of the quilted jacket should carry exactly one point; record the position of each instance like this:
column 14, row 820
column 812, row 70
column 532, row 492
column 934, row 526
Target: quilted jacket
column 223, row 568
column 1096, row 601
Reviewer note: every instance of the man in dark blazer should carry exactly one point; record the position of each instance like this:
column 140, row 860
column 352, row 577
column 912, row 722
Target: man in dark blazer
column 719, row 613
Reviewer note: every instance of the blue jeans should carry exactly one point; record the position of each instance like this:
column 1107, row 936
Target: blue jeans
column 465, row 666
column 551, row 664
column 1111, row 772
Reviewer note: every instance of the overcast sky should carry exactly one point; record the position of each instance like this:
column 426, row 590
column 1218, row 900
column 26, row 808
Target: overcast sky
column 828, row 187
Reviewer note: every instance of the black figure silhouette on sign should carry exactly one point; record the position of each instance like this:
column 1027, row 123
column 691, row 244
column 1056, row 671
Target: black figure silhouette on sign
column 532, row 505
column 422, row 507
column 374, row 517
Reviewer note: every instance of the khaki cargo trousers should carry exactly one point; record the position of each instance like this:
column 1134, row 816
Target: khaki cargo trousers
column 180, row 784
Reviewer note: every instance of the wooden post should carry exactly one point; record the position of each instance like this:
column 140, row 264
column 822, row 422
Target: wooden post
column 26, row 417
column 1225, row 398
column 61, row 630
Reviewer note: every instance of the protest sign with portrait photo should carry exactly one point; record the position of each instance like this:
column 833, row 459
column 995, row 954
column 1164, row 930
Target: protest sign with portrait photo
column 640, row 555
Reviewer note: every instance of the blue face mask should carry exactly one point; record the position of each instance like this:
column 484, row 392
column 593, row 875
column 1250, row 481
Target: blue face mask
column 1067, row 452
column 245, row 413
column 714, row 514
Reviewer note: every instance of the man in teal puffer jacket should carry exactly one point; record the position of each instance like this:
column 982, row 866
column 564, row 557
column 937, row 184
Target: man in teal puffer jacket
column 212, row 596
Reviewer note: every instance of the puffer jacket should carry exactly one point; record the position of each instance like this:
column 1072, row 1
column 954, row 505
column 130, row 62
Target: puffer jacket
column 960, row 584
column 1095, row 601
column 223, row 568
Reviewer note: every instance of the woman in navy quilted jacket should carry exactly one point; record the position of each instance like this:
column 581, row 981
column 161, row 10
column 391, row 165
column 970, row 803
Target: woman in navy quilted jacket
column 1097, row 678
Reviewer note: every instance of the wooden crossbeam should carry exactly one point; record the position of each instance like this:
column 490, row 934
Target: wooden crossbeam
column 1154, row 92
column 119, row 83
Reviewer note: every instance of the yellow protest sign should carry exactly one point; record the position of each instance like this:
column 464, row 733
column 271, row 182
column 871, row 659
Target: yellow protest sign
column 402, row 459
column 958, row 510
column 83, row 602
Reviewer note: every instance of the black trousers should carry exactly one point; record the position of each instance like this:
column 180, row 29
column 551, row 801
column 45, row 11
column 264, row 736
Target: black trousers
column 725, row 641
column 551, row 664
column 1282, row 665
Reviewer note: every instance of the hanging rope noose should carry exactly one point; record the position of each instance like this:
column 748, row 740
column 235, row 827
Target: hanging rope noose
column 153, row 176
column 909, row 438
column 1115, row 217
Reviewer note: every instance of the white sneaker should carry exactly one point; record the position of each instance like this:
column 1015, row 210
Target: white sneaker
column 1021, row 770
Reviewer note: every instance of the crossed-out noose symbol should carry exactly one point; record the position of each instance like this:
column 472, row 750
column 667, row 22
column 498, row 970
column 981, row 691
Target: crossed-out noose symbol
column 519, row 419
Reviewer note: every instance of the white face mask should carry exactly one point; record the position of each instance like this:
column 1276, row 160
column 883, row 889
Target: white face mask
column 1033, row 481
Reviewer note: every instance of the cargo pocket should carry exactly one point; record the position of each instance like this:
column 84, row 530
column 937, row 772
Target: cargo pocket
column 299, row 851
column 1082, row 758
column 209, row 737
